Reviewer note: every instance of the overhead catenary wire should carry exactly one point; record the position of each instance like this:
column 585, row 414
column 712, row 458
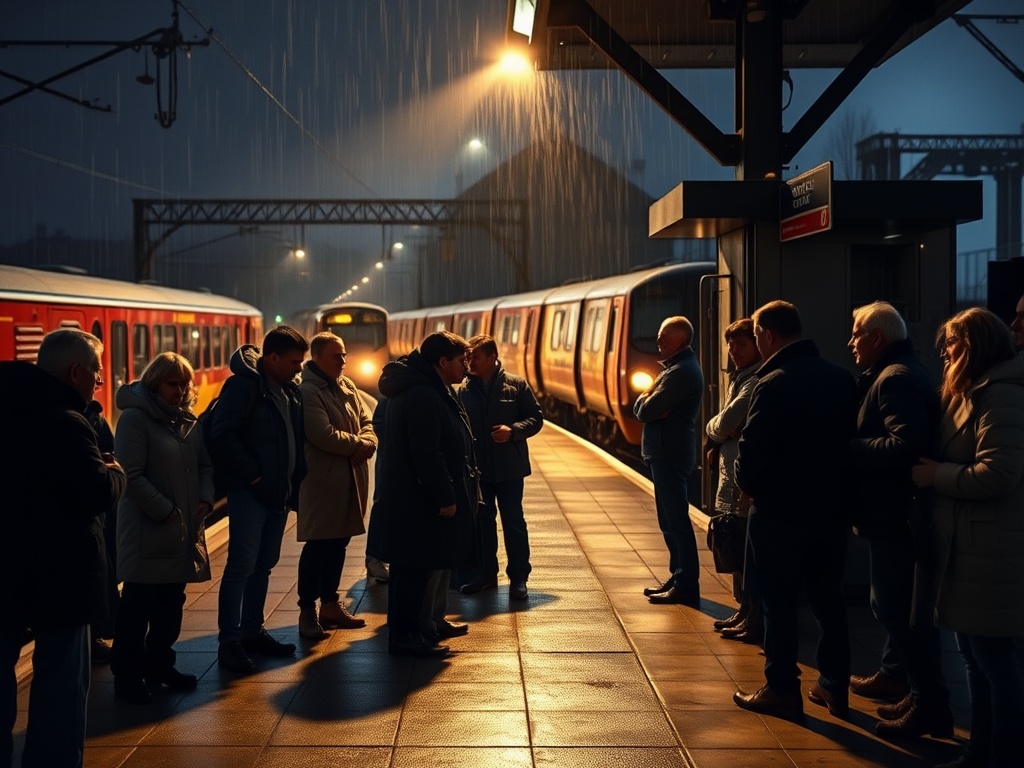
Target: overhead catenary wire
column 277, row 102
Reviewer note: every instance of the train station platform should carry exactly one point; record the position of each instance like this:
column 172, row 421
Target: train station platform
column 586, row 673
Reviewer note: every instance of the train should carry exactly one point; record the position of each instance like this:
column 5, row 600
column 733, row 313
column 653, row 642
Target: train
column 364, row 329
column 588, row 349
column 135, row 321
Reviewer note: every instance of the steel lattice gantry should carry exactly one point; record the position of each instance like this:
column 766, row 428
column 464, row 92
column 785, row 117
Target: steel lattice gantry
column 998, row 156
column 505, row 220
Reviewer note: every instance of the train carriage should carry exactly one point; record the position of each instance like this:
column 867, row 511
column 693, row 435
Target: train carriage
column 135, row 321
column 365, row 331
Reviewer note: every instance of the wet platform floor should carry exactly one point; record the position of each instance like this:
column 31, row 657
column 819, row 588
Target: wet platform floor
column 586, row 673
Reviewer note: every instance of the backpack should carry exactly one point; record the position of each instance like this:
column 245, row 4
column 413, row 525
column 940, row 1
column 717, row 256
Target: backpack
column 205, row 422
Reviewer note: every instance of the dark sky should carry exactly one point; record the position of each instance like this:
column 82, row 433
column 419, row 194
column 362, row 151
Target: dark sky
column 382, row 96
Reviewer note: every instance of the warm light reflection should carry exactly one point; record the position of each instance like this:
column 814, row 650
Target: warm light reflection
column 379, row 265
column 475, row 145
column 366, row 280
column 299, row 253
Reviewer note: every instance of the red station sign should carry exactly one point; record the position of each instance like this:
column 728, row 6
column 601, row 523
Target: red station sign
column 805, row 204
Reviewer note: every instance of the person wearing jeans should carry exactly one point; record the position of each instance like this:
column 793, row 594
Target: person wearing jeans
column 504, row 414
column 256, row 439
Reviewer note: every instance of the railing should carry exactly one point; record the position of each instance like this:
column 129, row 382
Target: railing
column 972, row 273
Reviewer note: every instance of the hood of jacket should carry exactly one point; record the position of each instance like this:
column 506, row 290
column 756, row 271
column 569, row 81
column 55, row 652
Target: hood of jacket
column 135, row 395
column 245, row 360
column 406, row 372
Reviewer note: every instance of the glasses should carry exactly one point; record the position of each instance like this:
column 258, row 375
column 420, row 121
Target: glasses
column 857, row 334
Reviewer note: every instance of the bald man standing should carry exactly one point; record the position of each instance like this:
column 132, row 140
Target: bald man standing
column 669, row 411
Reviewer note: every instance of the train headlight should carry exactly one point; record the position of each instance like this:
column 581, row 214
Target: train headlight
column 641, row 381
column 367, row 370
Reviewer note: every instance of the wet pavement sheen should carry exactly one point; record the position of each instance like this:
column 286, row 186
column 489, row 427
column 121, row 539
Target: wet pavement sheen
column 585, row 673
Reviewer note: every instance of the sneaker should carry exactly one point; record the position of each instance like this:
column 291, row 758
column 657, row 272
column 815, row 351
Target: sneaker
column 336, row 616
column 232, row 657
column 267, row 645
column 377, row 570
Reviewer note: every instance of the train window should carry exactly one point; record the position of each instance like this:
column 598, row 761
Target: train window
column 117, row 376
column 97, row 329
column 218, row 352
column 164, row 339
column 469, row 328
column 140, row 349
column 515, row 329
column 190, row 344
column 571, row 327
column 231, row 342
column 594, row 328
column 557, row 328
column 207, row 356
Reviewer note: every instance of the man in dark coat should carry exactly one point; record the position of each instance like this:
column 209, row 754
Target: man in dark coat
column 503, row 413
column 256, row 441
column 57, row 483
column 793, row 463
column 896, row 424
column 669, row 447
column 426, row 493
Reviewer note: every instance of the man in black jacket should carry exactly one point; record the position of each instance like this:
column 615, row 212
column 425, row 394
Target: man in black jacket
column 504, row 414
column 793, row 463
column 57, row 483
column 896, row 424
column 669, row 411
column 425, row 494
column 257, row 441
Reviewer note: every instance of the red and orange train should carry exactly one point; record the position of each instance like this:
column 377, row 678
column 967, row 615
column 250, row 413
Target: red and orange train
column 587, row 349
column 135, row 321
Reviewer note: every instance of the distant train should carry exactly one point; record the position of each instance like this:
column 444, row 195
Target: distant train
column 136, row 322
column 587, row 349
column 363, row 328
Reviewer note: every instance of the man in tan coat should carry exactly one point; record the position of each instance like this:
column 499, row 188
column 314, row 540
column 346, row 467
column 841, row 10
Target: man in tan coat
column 332, row 500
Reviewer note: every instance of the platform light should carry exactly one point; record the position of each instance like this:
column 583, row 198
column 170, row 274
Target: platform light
column 641, row 381
column 514, row 64
column 365, row 280
column 379, row 265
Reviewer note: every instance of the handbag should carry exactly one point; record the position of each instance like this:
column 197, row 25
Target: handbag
column 727, row 540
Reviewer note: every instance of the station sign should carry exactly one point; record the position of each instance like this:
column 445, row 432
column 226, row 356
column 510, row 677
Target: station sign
column 805, row 204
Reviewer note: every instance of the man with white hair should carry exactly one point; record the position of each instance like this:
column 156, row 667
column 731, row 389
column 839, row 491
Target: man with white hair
column 896, row 423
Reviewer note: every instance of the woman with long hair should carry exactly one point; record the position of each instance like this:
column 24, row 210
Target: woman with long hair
column 978, row 526
column 161, row 541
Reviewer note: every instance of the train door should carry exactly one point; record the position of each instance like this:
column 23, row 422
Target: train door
column 612, row 374
column 531, row 335
column 116, row 374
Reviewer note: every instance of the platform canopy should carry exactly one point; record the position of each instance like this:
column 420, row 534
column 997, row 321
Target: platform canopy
column 701, row 34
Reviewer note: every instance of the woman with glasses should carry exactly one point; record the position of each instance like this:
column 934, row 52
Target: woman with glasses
column 978, row 525
column 161, row 542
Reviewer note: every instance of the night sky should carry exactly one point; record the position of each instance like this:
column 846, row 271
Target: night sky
column 378, row 98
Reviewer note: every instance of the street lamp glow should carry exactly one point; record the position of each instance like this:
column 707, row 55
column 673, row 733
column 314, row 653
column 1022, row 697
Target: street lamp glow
column 355, row 287
column 398, row 246
column 379, row 265
column 514, row 64
column 475, row 145
column 366, row 280
column 299, row 253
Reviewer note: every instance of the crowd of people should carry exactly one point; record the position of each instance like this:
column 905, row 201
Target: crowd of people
column 932, row 477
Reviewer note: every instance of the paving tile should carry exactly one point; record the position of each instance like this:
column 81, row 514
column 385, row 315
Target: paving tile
column 601, row 729
column 464, row 728
column 609, row 757
column 324, row 757
column 462, row 757
column 211, row 756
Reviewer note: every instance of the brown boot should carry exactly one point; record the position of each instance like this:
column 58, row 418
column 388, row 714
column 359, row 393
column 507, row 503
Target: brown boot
column 309, row 627
column 917, row 721
column 336, row 616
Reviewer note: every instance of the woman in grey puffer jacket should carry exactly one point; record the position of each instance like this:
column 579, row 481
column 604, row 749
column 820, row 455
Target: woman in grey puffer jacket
column 161, row 544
